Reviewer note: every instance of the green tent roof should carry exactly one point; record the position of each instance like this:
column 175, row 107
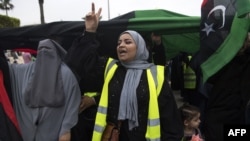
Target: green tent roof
column 180, row 32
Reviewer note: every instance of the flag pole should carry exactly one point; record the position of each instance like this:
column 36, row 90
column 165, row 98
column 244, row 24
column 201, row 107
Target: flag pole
column 108, row 11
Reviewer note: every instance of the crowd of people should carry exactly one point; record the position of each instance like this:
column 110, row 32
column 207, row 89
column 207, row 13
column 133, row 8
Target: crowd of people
column 79, row 95
column 19, row 57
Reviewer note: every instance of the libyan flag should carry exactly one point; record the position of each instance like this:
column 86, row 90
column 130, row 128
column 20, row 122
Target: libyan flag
column 180, row 33
column 223, row 29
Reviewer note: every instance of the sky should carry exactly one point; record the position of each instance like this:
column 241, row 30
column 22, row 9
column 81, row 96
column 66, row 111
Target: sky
column 73, row 10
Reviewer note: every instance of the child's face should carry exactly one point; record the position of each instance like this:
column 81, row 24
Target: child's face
column 194, row 122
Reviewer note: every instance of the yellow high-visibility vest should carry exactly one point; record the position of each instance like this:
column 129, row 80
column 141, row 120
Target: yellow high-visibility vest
column 155, row 81
column 90, row 94
column 189, row 76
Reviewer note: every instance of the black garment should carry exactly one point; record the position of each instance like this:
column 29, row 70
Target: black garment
column 158, row 55
column 177, row 73
column 248, row 114
column 83, row 130
column 89, row 64
column 228, row 98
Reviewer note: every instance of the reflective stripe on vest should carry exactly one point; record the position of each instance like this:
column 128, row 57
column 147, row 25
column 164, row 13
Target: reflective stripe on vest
column 153, row 127
column 90, row 94
column 189, row 76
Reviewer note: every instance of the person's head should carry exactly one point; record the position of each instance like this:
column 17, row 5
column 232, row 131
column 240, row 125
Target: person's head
column 156, row 38
column 47, row 69
column 190, row 115
column 50, row 49
column 26, row 57
column 131, row 46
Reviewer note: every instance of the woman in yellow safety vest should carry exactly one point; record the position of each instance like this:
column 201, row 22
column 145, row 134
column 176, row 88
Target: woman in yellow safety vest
column 135, row 98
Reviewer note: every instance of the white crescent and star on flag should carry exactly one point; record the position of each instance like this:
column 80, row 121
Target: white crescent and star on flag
column 209, row 27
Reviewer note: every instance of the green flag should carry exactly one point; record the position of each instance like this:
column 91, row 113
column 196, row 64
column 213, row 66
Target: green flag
column 243, row 8
column 228, row 48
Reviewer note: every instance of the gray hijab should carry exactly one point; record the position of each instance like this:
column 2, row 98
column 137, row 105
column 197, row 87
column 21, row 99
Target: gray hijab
column 128, row 102
column 45, row 87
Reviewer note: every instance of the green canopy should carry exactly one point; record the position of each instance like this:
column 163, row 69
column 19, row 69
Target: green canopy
column 180, row 32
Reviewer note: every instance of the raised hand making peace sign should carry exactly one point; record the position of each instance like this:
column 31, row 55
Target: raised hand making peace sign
column 92, row 19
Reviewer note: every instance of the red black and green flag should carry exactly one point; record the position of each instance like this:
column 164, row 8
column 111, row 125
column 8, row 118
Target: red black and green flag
column 223, row 28
column 180, row 32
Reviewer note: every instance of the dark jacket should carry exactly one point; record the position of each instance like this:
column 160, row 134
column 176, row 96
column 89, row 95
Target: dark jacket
column 229, row 96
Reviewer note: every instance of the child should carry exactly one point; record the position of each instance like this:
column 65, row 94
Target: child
column 191, row 120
